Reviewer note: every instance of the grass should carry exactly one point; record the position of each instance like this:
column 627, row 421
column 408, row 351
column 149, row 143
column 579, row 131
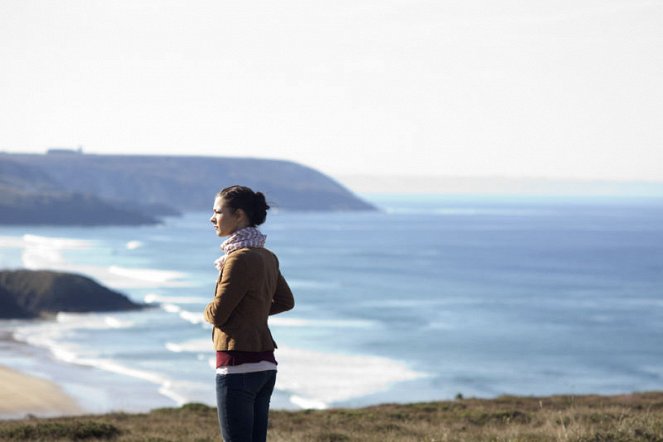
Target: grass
column 592, row 418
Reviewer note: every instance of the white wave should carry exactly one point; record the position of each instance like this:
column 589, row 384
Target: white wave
column 167, row 390
column 133, row 245
column 116, row 323
column 310, row 379
column 57, row 242
column 112, row 366
column 175, row 348
column 108, row 276
column 152, row 298
column 182, row 391
column 145, row 274
column 318, row 378
column 63, row 354
column 46, row 336
column 314, row 379
column 171, row 308
column 40, row 252
column 49, row 334
column 192, row 346
column 91, row 321
column 194, row 318
column 12, row 242
column 321, row 323
column 36, row 258
column 307, row 403
column 38, row 336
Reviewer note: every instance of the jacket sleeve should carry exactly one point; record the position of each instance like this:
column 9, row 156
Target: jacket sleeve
column 230, row 290
column 283, row 299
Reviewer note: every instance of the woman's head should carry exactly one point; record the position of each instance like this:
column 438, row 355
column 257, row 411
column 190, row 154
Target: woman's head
column 236, row 207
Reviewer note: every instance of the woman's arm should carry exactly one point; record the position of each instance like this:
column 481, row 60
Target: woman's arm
column 283, row 299
column 229, row 291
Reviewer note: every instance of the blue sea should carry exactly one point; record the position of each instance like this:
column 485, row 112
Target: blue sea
column 432, row 296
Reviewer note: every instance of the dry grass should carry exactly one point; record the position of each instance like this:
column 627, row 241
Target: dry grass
column 633, row 417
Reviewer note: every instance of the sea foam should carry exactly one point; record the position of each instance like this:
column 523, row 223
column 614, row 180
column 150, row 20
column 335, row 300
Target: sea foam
column 43, row 252
column 321, row 378
column 155, row 276
column 192, row 317
column 52, row 335
column 152, row 298
column 315, row 379
column 133, row 245
column 321, row 323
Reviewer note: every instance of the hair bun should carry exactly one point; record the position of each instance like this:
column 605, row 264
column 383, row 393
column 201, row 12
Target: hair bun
column 261, row 202
column 253, row 203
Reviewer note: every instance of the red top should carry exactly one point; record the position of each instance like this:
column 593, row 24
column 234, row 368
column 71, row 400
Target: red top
column 235, row 357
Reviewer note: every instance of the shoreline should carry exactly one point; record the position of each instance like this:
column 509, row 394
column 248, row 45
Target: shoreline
column 22, row 395
column 26, row 390
column 64, row 388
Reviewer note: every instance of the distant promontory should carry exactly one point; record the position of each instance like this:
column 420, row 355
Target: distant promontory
column 70, row 187
column 26, row 294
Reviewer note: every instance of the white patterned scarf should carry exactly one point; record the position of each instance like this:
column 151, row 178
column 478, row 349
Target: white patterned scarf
column 246, row 237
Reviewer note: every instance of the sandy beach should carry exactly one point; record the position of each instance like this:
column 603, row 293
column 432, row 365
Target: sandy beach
column 21, row 394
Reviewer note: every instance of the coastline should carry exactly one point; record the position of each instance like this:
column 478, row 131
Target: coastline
column 64, row 387
column 579, row 335
column 22, row 394
column 76, row 377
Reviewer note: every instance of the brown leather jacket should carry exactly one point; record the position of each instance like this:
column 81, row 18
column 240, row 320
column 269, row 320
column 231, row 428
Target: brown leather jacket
column 250, row 288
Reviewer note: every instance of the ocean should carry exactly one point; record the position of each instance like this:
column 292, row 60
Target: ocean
column 431, row 297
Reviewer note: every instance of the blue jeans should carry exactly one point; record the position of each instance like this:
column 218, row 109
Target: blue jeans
column 243, row 405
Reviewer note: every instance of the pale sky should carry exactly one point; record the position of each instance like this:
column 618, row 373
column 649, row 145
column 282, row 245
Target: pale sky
column 536, row 88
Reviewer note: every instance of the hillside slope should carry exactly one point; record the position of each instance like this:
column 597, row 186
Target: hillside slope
column 189, row 183
column 30, row 196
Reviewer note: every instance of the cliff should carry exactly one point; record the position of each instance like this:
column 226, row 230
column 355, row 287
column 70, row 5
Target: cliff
column 30, row 294
column 30, row 196
column 181, row 182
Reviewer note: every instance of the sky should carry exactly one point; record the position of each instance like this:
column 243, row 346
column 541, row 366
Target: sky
column 555, row 89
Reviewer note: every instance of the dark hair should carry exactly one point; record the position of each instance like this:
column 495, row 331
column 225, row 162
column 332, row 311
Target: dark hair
column 252, row 203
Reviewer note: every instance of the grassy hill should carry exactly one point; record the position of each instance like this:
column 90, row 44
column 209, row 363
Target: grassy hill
column 30, row 196
column 631, row 417
column 189, row 183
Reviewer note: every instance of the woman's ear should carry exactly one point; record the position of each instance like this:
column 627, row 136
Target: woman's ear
column 241, row 215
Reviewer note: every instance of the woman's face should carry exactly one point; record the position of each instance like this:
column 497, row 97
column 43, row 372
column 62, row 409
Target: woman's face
column 226, row 220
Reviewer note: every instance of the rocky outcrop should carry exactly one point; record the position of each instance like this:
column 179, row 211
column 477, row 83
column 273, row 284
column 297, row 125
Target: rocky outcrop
column 31, row 294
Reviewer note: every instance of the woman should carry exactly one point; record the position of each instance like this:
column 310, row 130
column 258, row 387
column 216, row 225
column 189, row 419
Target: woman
column 249, row 288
